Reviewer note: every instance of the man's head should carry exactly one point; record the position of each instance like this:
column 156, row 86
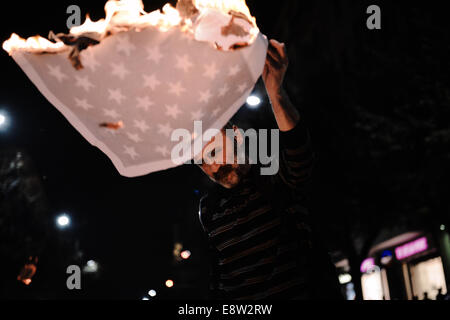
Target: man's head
column 220, row 158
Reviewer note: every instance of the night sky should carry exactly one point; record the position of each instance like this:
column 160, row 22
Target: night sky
column 130, row 225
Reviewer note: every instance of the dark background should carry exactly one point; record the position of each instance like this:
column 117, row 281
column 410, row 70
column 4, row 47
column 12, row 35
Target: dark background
column 376, row 102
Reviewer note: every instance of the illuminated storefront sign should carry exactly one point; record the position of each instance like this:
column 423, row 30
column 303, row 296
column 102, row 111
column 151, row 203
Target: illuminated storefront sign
column 411, row 248
column 367, row 264
column 386, row 257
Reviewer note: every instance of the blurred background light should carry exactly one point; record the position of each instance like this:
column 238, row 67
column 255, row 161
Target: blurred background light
column 152, row 293
column 345, row 278
column 63, row 221
column 169, row 283
column 185, row 254
column 91, row 267
column 4, row 120
column 253, row 101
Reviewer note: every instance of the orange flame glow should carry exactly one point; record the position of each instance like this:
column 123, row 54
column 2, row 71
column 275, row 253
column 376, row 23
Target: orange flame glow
column 32, row 44
column 122, row 15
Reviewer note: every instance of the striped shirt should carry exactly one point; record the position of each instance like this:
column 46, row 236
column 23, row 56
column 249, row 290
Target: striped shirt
column 261, row 238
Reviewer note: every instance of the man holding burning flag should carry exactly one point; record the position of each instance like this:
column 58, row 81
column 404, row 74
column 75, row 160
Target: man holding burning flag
column 126, row 81
column 262, row 239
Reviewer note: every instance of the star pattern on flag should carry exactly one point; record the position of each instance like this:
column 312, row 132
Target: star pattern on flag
column 162, row 150
column 173, row 111
column 205, row 96
column 211, row 71
column 116, row 95
column 111, row 113
column 131, row 151
column 144, row 103
column 84, row 83
column 55, row 71
column 150, row 81
column 130, row 95
column 176, row 88
column 241, row 88
column 141, row 125
column 124, row 45
column 223, row 91
column 184, row 63
column 134, row 137
column 82, row 103
column 234, row 70
column 119, row 70
column 154, row 54
column 165, row 129
column 88, row 60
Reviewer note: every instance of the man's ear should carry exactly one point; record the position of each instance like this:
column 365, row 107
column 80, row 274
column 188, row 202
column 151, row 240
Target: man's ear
column 238, row 135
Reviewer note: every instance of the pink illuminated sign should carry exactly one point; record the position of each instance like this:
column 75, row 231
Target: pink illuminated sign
column 411, row 248
column 367, row 264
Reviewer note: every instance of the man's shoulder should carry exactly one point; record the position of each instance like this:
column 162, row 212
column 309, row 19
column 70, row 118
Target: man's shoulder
column 203, row 210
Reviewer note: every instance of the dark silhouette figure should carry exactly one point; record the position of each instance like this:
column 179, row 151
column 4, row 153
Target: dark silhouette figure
column 425, row 296
column 440, row 296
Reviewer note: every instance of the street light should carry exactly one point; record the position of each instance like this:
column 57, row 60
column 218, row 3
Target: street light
column 2, row 119
column 152, row 293
column 185, row 254
column 169, row 283
column 345, row 278
column 91, row 267
column 63, row 221
column 253, row 101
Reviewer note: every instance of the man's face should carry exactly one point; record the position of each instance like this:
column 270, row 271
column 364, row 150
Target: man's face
column 215, row 154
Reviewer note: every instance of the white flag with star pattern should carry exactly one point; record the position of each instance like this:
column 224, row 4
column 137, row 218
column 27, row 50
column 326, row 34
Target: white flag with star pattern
column 150, row 82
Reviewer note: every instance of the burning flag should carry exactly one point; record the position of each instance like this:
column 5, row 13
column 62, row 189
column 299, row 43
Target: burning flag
column 127, row 81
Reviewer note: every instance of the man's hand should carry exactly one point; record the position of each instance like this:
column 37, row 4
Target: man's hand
column 275, row 69
column 277, row 62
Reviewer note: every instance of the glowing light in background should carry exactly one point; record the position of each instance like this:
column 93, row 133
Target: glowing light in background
column 345, row 278
column 442, row 227
column 152, row 293
column 411, row 248
column 367, row 264
column 185, row 254
column 4, row 120
column 91, row 267
column 169, row 283
column 386, row 257
column 253, row 101
column 63, row 221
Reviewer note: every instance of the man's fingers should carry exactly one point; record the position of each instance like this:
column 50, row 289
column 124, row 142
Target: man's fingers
column 272, row 62
column 279, row 48
column 271, row 49
column 274, row 54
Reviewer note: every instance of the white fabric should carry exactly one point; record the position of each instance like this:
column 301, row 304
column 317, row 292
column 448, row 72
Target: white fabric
column 153, row 82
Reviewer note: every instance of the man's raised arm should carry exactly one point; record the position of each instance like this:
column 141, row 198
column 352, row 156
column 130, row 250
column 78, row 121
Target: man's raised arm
column 277, row 62
column 297, row 157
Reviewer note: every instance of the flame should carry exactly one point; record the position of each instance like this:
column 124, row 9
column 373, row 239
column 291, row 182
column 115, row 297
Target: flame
column 122, row 15
column 89, row 27
column 32, row 44
column 165, row 20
